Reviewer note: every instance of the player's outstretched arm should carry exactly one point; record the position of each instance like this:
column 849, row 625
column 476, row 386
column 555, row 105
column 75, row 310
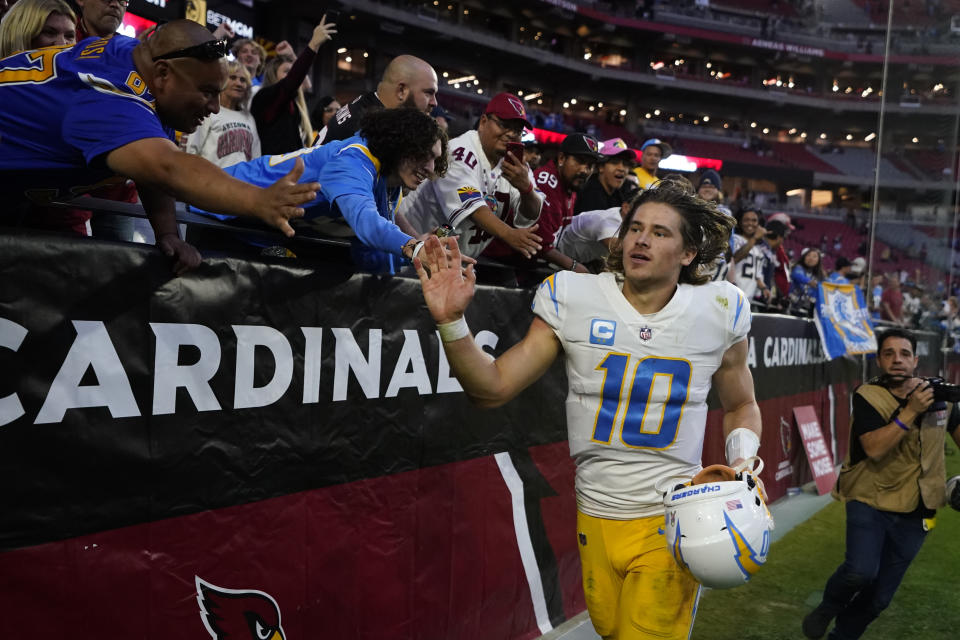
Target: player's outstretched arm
column 159, row 163
column 447, row 290
column 734, row 384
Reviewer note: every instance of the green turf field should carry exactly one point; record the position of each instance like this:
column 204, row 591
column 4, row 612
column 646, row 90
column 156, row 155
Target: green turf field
column 772, row 605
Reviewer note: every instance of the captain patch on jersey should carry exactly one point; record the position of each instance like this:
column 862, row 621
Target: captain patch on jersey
column 638, row 383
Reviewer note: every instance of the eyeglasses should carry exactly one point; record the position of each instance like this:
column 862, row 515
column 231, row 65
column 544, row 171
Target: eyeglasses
column 514, row 126
column 209, row 50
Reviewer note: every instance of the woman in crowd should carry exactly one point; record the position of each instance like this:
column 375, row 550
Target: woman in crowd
column 326, row 107
column 230, row 136
column 279, row 107
column 31, row 24
column 806, row 274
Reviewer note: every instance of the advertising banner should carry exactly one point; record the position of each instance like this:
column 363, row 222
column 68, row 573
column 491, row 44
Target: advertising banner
column 818, row 454
column 843, row 320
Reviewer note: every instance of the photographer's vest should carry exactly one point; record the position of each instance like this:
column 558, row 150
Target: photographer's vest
column 911, row 469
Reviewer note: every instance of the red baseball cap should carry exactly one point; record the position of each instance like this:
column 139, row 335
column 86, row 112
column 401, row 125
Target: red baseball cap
column 507, row 106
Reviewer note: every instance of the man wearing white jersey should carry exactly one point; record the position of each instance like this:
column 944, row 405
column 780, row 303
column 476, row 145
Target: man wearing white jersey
column 643, row 344
column 486, row 192
column 591, row 234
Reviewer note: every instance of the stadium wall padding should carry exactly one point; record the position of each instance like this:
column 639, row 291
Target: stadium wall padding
column 290, row 436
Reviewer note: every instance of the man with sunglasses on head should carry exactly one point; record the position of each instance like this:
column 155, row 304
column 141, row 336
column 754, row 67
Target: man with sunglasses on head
column 78, row 117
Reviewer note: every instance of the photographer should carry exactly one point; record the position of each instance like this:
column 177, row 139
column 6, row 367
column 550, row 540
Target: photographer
column 892, row 482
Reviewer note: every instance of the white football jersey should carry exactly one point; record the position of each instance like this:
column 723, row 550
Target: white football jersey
column 749, row 268
column 583, row 238
column 470, row 183
column 637, row 402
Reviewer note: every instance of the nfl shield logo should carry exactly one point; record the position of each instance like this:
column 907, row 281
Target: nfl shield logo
column 646, row 333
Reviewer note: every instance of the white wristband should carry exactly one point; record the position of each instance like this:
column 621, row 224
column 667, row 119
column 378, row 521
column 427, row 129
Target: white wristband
column 742, row 443
column 453, row 331
column 416, row 250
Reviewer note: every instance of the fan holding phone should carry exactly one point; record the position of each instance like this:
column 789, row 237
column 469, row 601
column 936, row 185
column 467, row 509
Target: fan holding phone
column 488, row 191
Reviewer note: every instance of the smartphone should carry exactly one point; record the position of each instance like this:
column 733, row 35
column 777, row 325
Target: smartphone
column 516, row 150
column 332, row 15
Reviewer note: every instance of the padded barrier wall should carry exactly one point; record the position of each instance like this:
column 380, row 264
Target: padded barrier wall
column 289, row 441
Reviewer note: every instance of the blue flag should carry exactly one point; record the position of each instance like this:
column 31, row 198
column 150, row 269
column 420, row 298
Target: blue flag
column 843, row 320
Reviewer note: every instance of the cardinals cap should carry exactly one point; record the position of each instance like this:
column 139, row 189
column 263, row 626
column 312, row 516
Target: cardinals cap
column 507, row 106
column 578, row 144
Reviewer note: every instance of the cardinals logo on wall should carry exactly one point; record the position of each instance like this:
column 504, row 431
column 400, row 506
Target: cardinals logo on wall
column 238, row 613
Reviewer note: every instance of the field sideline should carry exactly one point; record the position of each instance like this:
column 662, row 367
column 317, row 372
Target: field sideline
column 773, row 604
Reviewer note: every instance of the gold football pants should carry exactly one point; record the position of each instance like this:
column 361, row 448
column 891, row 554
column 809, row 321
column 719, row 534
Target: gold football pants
column 634, row 588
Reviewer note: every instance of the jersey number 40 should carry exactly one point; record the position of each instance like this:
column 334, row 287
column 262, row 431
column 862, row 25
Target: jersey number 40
column 657, row 383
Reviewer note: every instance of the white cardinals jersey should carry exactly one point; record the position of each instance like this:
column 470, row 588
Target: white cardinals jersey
column 637, row 403
column 469, row 184
column 749, row 268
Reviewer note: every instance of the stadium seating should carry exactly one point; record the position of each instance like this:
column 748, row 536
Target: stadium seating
column 902, row 165
column 781, row 8
column 935, row 165
column 810, row 233
column 860, row 161
column 800, row 157
column 913, row 13
column 727, row 151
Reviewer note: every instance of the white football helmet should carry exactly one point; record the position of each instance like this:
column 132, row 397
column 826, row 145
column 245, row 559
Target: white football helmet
column 718, row 525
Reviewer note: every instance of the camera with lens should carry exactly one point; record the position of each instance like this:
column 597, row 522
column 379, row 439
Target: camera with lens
column 943, row 391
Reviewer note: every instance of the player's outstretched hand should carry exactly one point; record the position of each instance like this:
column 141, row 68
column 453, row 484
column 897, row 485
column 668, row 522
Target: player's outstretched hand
column 185, row 255
column 280, row 201
column 447, row 288
column 450, row 243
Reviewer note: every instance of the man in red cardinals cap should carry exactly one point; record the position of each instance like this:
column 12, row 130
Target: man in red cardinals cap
column 486, row 192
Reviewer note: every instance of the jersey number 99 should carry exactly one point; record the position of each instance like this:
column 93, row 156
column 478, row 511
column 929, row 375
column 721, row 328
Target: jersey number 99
column 650, row 376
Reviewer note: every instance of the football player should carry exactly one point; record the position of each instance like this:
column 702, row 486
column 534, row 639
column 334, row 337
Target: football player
column 644, row 342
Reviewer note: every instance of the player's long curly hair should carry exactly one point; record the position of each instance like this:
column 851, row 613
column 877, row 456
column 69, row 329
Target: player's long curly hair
column 704, row 228
column 398, row 135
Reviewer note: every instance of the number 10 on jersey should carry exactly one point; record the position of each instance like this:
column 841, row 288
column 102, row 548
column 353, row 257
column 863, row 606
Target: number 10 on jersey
column 656, row 382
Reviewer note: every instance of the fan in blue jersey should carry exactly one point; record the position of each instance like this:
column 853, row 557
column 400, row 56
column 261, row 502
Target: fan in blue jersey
column 361, row 179
column 77, row 117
